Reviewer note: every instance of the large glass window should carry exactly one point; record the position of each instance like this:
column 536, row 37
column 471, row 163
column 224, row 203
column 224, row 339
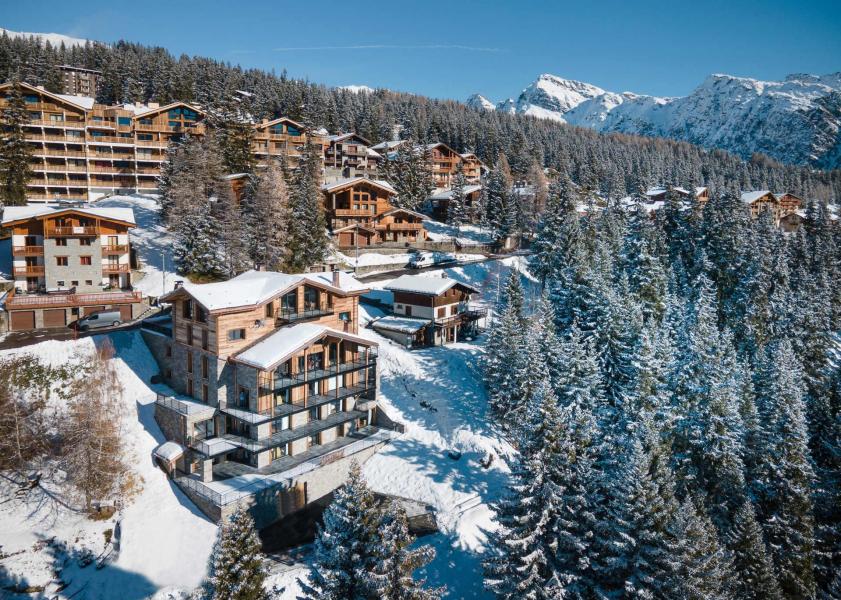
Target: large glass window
column 124, row 120
column 310, row 298
column 289, row 302
column 292, row 130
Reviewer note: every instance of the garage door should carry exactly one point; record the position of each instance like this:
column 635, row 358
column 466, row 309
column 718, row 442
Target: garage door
column 23, row 319
column 125, row 312
column 54, row 317
column 92, row 309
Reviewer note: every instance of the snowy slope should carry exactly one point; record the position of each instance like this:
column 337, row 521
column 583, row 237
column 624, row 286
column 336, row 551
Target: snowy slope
column 797, row 120
column 55, row 39
column 164, row 541
column 358, row 89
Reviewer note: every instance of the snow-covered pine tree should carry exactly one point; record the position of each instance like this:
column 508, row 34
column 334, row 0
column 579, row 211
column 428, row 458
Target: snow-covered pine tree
column 784, row 474
column 266, row 209
column 347, row 544
column 496, row 199
column 197, row 245
column 15, row 167
column 751, row 561
column 396, row 561
column 706, row 567
column 409, row 170
column 237, row 570
column 308, row 241
column 457, row 204
column 232, row 239
column 523, row 563
column 558, row 241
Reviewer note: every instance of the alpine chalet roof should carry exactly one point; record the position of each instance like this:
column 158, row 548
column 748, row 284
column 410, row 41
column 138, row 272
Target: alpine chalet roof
column 400, row 324
column 343, row 183
column 428, row 286
column 255, row 287
column 448, row 194
column 286, row 341
column 13, row 214
column 751, row 197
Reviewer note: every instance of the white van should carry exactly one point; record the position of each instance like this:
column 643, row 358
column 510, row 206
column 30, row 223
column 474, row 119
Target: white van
column 106, row 318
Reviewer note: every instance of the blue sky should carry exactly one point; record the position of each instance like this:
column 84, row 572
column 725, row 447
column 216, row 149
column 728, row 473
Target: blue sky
column 450, row 49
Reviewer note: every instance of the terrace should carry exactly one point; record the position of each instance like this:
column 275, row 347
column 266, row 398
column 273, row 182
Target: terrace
column 69, row 298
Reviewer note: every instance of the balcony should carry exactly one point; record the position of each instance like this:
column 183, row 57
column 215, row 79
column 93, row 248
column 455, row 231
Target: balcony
column 399, row 226
column 27, row 250
column 282, row 438
column 367, row 389
column 64, row 299
column 115, row 249
column 466, row 316
column 290, row 315
column 28, row 271
column 84, row 230
column 186, row 407
column 110, row 139
column 115, row 268
column 283, row 381
column 353, row 212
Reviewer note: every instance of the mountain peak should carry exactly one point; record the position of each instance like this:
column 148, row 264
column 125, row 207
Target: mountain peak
column 479, row 102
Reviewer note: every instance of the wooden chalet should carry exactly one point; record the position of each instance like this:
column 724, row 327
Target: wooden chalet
column 282, row 138
column 349, row 155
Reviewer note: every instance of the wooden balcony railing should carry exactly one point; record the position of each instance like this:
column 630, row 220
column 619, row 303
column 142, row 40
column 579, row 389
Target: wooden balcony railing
column 400, row 226
column 14, row 301
column 112, row 268
column 78, row 230
column 354, row 212
column 29, row 270
column 27, row 250
column 110, row 139
column 115, row 249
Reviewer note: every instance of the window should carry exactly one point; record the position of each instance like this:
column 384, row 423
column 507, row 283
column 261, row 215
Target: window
column 204, row 339
column 279, row 452
column 124, row 120
column 442, row 312
column 88, row 281
column 85, row 242
column 313, row 413
column 189, row 362
column 204, row 367
column 204, row 393
column 187, row 309
column 74, row 284
column 145, row 137
column 168, row 351
column 344, row 316
column 189, row 387
column 60, row 283
column 85, row 260
column 201, row 314
column 269, row 310
column 315, row 439
column 242, row 397
column 190, row 335
column 61, row 261
column 61, row 242
column 236, row 334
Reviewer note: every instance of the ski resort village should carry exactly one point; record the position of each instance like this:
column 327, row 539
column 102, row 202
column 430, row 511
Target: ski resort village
column 264, row 338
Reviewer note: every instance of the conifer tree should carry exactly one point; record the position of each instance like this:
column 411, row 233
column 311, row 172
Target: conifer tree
column 308, row 240
column 498, row 205
column 267, row 222
column 15, row 168
column 457, row 204
column 197, row 245
column 347, row 544
column 232, row 240
column 237, row 571
column 557, row 245
column 410, row 172
column 751, row 561
column 785, row 475
column 396, row 561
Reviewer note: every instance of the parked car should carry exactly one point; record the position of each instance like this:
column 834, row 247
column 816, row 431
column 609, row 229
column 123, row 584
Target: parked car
column 107, row 318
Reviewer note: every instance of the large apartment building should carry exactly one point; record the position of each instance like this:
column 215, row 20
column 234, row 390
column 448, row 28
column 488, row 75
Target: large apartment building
column 349, row 155
column 283, row 138
column 444, row 162
column 78, row 81
column 276, row 389
column 68, row 263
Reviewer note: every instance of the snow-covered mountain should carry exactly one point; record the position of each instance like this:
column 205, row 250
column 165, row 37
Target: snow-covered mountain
column 55, row 39
column 797, row 120
column 478, row 101
column 358, row 89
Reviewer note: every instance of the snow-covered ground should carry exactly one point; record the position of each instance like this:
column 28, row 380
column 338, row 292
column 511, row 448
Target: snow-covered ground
column 164, row 541
column 467, row 235
column 152, row 242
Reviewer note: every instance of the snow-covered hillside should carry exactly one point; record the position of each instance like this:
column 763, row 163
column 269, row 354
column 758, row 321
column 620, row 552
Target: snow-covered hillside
column 797, row 120
column 55, row 39
column 163, row 539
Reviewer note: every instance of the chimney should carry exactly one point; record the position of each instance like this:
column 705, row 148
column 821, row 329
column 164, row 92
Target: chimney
column 336, row 278
column 179, row 283
column 444, row 275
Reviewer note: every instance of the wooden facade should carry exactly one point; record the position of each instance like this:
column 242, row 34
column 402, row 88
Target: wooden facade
column 349, row 155
column 778, row 205
column 284, row 139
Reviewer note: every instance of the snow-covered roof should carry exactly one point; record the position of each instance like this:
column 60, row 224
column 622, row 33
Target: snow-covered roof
column 85, row 102
column 255, row 287
column 169, row 451
column 280, row 345
column 401, row 324
column 404, row 210
column 20, row 213
column 419, row 284
column 751, row 197
column 341, row 183
column 389, row 145
column 236, row 176
column 448, row 193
